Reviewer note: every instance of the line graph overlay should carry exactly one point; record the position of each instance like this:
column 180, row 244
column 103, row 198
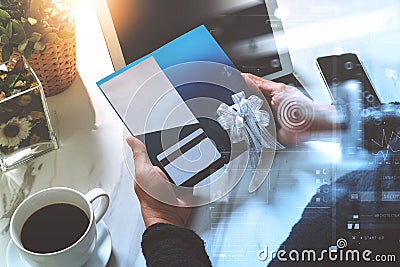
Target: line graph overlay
column 385, row 144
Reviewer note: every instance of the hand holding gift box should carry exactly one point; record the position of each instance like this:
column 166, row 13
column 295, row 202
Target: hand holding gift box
column 169, row 100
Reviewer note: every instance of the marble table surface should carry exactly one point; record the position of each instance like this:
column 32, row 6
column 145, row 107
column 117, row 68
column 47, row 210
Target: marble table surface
column 92, row 149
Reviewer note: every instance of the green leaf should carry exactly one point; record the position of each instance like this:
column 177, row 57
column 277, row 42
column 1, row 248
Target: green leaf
column 6, row 52
column 2, row 29
column 39, row 28
column 39, row 46
column 65, row 34
column 4, row 15
column 57, row 41
column 17, row 26
column 35, row 37
column 32, row 21
column 4, row 39
column 28, row 52
column 9, row 30
column 19, row 32
column 12, row 79
column 22, row 46
column 50, row 37
column 28, row 29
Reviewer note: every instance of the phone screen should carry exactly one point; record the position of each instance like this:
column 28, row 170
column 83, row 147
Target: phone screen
column 341, row 72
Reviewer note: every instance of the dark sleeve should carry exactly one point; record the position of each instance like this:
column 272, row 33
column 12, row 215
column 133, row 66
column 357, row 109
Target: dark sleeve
column 168, row 245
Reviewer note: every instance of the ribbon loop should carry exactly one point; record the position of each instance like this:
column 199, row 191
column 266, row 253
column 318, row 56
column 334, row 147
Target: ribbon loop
column 246, row 121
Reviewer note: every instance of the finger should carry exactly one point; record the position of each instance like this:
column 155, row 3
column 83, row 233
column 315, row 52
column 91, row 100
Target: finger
column 267, row 87
column 250, row 83
column 139, row 151
column 254, row 88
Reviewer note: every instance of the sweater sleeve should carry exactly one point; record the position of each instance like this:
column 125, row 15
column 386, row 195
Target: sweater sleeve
column 168, row 245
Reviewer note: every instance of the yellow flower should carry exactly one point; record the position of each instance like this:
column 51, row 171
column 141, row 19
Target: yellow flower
column 14, row 131
column 35, row 91
column 19, row 84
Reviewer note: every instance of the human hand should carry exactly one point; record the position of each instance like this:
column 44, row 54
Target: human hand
column 149, row 176
column 319, row 116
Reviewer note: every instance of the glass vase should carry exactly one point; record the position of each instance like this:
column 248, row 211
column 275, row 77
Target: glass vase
column 25, row 127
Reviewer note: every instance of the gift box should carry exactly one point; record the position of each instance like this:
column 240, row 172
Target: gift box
column 186, row 101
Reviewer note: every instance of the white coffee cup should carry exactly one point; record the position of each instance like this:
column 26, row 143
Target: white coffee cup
column 79, row 252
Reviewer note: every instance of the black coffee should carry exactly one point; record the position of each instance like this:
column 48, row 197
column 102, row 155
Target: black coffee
column 53, row 228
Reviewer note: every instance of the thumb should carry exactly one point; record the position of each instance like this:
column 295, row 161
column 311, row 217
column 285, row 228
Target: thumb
column 139, row 151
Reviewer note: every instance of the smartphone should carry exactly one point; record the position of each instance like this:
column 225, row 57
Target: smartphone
column 340, row 72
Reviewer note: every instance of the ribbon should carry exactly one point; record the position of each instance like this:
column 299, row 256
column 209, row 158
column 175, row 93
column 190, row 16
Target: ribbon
column 245, row 121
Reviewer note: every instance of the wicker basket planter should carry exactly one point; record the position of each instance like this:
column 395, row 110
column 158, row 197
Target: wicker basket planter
column 55, row 67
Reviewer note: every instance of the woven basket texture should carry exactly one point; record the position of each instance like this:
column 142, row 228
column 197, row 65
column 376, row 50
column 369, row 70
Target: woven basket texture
column 55, row 67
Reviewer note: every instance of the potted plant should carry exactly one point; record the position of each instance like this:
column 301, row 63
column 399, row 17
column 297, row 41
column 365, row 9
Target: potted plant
column 44, row 32
column 25, row 128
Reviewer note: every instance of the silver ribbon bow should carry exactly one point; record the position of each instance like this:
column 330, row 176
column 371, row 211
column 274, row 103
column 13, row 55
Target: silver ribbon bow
column 245, row 121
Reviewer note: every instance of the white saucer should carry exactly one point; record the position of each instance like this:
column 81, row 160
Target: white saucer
column 99, row 258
